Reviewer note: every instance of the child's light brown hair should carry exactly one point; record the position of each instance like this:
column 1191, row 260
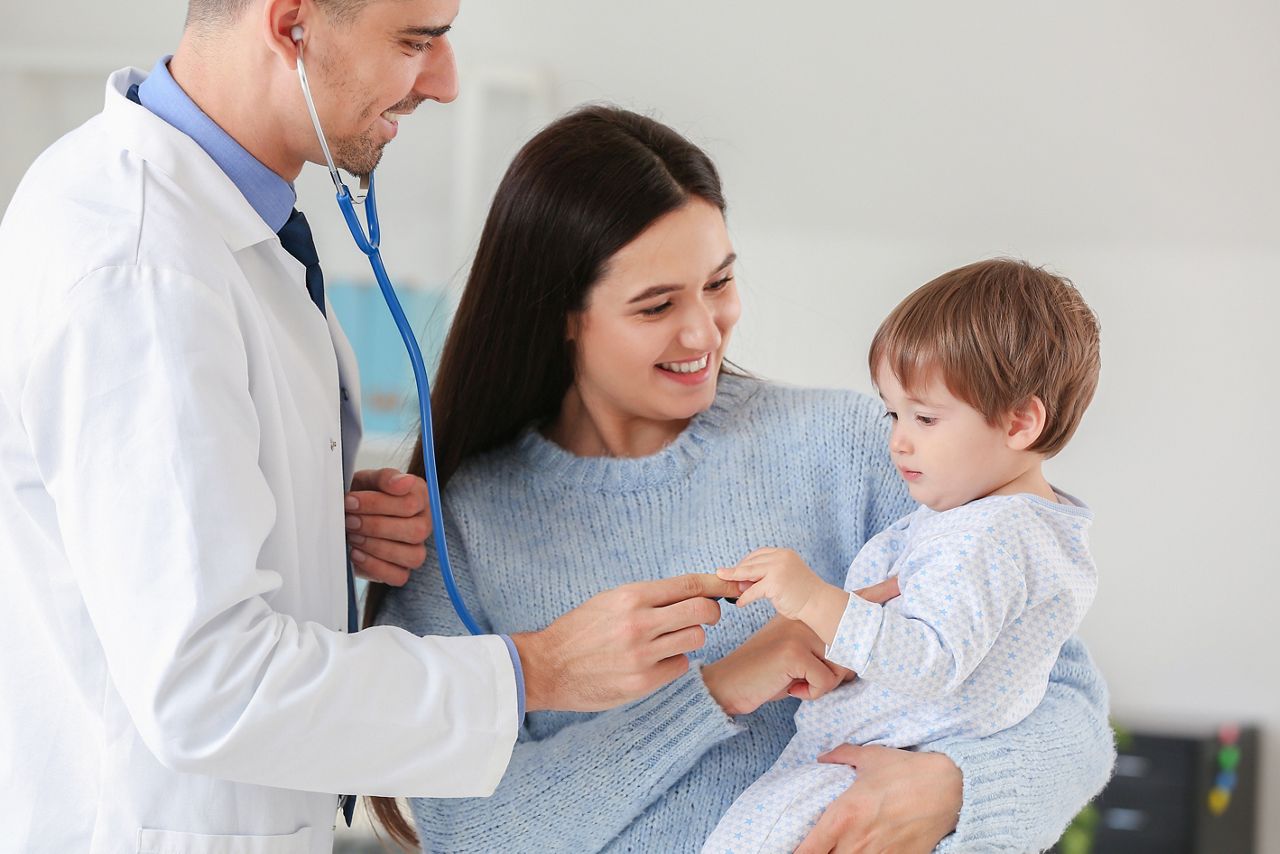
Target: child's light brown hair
column 998, row 333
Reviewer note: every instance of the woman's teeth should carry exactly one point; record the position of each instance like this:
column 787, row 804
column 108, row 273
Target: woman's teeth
column 685, row 367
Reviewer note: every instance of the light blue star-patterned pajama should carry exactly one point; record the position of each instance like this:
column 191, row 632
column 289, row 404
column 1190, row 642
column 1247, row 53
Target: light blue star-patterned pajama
column 989, row 593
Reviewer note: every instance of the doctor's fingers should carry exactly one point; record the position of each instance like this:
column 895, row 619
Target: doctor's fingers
column 370, row 502
column 686, row 614
column 680, row 642
column 415, row 530
column 376, row 569
column 679, row 588
column 387, row 480
column 406, row 556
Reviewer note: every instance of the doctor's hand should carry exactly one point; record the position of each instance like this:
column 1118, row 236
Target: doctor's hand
column 388, row 523
column 619, row 645
column 902, row 801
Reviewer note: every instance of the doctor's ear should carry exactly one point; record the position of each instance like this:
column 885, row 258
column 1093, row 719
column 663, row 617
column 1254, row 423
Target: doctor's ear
column 284, row 28
column 1024, row 424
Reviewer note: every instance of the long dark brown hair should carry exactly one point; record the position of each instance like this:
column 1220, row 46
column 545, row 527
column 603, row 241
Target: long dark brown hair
column 583, row 188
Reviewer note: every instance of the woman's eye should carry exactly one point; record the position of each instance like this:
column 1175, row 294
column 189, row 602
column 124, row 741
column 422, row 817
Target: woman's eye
column 926, row 420
column 720, row 284
column 656, row 310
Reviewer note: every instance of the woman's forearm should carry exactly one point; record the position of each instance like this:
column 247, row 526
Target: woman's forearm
column 579, row 788
column 1023, row 785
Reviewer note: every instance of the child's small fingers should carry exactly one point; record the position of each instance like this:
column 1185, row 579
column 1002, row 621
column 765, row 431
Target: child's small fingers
column 751, row 593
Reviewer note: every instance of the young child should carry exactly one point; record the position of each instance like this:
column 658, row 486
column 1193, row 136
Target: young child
column 985, row 373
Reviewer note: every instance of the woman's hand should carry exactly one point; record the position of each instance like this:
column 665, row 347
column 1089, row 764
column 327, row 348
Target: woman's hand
column 619, row 645
column 902, row 801
column 783, row 658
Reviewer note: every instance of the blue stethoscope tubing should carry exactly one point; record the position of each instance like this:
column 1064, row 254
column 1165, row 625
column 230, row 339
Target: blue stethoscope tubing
column 368, row 243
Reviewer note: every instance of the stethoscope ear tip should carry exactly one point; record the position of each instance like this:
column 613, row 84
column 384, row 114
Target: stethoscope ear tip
column 296, row 33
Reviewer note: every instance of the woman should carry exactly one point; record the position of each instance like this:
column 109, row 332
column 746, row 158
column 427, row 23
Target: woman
column 591, row 437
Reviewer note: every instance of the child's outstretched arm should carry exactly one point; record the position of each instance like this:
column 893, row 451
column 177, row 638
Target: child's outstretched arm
column 796, row 591
column 963, row 590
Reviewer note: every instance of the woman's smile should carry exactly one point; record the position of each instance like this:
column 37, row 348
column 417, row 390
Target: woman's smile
column 690, row 372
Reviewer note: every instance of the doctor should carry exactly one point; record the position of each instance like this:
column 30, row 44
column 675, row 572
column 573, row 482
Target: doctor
column 177, row 431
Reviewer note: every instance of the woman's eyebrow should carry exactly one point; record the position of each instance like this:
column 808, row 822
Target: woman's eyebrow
column 654, row 291
column 659, row 290
column 728, row 259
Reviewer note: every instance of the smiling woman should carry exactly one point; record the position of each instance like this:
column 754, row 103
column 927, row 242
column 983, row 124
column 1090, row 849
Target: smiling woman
column 649, row 352
column 590, row 443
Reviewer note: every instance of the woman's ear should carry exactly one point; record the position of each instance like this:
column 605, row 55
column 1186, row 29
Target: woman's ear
column 1025, row 423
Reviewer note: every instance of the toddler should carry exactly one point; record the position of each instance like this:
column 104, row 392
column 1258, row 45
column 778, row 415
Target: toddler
column 985, row 373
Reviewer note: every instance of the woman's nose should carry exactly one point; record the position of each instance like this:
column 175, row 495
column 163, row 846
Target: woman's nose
column 700, row 331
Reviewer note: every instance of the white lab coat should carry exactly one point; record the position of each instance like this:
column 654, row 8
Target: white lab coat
column 174, row 672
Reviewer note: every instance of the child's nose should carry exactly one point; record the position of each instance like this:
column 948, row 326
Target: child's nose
column 898, row 443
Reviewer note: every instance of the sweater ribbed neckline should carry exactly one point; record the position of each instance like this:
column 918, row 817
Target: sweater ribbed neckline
column 626, row 474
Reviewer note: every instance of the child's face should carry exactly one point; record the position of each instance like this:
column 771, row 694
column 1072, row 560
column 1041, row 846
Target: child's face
column 944, row 448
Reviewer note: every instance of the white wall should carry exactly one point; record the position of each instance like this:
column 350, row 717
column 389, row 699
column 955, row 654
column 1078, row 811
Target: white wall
column 868, row 147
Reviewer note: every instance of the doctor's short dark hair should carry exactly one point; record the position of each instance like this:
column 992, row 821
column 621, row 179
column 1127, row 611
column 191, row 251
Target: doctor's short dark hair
column 998, row 333
column 211, row 14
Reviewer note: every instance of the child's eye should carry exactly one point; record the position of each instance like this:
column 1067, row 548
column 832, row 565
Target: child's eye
column 926, row 420
column 891, row 415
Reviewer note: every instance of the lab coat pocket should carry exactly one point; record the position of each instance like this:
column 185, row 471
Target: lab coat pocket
column 174, row 842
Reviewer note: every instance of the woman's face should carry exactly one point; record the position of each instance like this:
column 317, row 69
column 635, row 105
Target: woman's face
column 651, row 339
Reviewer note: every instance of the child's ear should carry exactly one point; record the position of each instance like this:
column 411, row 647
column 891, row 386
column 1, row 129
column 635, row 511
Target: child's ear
column 1024, row 424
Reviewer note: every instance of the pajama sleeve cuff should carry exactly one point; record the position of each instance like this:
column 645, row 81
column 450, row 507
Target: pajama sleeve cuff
column 856, row 634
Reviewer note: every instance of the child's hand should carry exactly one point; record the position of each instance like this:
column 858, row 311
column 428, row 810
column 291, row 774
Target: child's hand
column 780, row 576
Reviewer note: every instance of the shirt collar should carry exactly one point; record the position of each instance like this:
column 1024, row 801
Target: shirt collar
column 270, row 195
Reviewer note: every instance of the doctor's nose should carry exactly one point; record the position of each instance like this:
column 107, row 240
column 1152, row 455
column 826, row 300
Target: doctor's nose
column 438, row 80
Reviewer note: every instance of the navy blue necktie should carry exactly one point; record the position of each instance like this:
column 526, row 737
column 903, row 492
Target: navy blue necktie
column 296, row 239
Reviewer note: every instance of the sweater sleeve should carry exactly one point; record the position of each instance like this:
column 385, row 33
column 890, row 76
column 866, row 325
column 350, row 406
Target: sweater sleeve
column 1023, row 785
column 574, row 790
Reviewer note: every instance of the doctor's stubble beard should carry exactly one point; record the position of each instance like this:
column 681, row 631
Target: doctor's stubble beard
column 360, row 153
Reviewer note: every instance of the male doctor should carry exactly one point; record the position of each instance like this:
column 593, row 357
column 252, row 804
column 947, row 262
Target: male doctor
column 177, row 430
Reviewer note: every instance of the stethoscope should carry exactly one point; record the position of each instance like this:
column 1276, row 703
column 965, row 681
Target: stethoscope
column 368, row 244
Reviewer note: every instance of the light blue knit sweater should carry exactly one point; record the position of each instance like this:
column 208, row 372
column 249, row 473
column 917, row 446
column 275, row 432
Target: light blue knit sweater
column 534, row 531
